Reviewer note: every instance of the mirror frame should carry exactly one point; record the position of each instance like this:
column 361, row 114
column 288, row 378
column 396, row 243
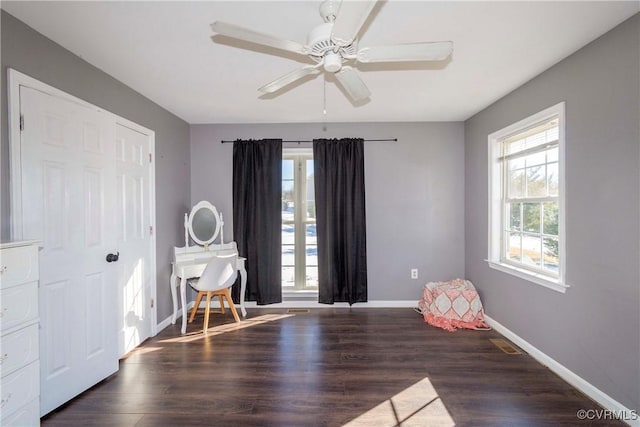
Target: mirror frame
column 204, row 205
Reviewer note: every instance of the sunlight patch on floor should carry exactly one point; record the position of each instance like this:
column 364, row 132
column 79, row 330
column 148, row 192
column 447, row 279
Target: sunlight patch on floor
column 227, row 327
column 418, row 405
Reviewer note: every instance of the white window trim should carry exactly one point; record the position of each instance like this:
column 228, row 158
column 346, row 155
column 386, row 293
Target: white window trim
column 558, row 284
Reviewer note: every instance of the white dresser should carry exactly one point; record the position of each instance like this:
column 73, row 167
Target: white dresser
column 19, row 357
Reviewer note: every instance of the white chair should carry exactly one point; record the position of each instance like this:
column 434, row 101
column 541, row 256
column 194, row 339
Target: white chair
column 217, row 278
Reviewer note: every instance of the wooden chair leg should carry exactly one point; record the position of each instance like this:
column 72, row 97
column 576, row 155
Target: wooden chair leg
column 232, row 306
column 194, row 310
column 221, row 303
column 206, row 313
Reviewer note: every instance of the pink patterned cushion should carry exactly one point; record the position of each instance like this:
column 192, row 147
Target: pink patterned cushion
column 451, row 305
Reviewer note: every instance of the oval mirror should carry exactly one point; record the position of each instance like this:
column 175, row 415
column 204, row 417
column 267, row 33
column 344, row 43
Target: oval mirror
column 204, row 223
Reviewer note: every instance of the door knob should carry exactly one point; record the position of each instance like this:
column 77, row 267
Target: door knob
column 113, row 257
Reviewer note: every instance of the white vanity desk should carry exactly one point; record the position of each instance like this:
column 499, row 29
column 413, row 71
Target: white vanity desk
column 203, row 225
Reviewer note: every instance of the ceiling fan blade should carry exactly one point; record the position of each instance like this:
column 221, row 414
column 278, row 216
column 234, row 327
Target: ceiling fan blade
column 289, row 78
column 237, row 32
column 436, row 51
column 350, row 19
column 352, row 83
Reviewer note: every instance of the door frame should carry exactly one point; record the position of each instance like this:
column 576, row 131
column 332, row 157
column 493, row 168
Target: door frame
column 15, row 80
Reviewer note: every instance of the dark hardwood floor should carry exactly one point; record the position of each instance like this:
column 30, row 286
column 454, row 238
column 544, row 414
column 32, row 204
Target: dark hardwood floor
column 328, row 367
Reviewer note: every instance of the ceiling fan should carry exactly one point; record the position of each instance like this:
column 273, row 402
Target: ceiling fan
column 333, row 44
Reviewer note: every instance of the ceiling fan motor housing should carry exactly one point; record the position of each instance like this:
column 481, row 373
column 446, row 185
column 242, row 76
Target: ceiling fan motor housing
column 323, row 48
column 319, row 39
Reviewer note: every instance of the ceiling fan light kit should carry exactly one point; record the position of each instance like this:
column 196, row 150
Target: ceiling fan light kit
column 333, row 43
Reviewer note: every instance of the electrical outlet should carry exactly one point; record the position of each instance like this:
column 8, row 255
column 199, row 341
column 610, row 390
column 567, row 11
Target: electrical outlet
column 414, row 273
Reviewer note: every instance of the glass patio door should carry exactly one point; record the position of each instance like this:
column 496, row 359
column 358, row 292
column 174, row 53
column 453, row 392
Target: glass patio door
column 299, row 244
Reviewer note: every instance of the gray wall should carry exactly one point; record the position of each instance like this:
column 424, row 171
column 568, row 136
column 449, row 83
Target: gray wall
column 415, row 193
column 593, row 328
column 33, row 54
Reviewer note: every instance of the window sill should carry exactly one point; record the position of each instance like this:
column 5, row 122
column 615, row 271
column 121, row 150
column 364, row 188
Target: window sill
column 301, row 294
column 538, row 279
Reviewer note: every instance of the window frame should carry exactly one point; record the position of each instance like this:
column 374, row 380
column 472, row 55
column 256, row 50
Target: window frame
column 300, row 156
column 498, row 201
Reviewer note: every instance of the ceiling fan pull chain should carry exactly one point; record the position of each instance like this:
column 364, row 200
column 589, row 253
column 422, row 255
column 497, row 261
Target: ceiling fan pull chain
column 324, row 95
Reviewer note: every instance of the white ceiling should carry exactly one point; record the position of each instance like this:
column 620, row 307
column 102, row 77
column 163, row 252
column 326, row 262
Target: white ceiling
column 164, row 51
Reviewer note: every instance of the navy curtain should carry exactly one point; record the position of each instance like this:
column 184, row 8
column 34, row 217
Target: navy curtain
column 340, row 220
column 257, row 217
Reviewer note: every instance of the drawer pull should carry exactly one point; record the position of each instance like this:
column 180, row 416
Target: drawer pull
column 3, row 269
column 5, row 400
column 3, row 311
column 3, row 358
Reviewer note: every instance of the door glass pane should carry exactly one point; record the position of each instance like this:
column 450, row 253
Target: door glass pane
column 312, row 277
column 311, row 256
column 311, row 194
column 311, row 237
column 288, row 276
column 288, row 255
column 288, row 234
column 287, row 169
column 288, row 190
column 531, row 217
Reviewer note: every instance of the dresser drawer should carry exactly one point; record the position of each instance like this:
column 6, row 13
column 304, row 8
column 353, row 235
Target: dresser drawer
column 18, row 305
column 28, row 415
column 18, row 265
column 18, row 349
column 18, row 389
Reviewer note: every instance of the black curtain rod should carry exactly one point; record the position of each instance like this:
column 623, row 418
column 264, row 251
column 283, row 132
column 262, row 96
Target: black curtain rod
column 298, row 142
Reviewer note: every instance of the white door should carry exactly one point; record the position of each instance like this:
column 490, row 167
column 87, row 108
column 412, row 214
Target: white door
column 134, row 236
column 68, row 173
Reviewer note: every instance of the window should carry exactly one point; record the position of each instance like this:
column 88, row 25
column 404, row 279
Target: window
column 299, row 244
column 526, row 218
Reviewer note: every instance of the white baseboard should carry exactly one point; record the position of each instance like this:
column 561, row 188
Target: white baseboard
column 578, row 382
column 316, row 304
column 166, row 322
